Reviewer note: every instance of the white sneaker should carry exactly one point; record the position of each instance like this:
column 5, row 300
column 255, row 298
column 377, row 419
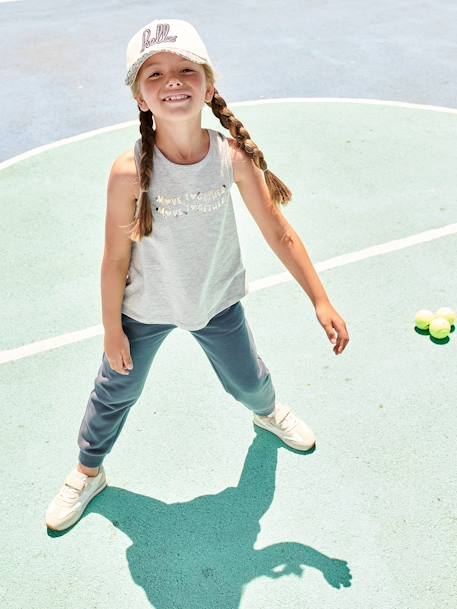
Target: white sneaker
column 70, row 502
column 293, row 431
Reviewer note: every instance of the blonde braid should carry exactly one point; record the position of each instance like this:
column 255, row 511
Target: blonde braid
column 143, row 221
column 280, row 193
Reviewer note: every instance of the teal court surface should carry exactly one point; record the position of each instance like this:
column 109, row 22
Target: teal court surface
column 202, row 509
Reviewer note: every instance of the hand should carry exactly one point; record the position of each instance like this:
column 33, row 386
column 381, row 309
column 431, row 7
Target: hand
column 117, row 351
column 331, row 321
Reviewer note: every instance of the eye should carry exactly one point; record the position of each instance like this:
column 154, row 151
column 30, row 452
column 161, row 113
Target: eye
column 154, row 73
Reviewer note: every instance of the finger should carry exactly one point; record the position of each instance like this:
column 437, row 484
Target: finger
column 341, row 346
column 128, row 363
column 120, row 368
column 343, row 335
column 331, row 333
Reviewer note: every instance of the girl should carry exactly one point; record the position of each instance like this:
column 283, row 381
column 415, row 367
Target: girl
column 178, row 264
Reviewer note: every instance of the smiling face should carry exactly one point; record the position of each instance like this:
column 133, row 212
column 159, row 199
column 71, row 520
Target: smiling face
column 164, row 74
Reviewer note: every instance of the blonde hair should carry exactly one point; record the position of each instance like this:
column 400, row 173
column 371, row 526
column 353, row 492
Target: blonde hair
column 143, row 220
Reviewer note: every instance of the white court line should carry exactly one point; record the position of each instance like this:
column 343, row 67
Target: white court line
column 83, row 136
column 4, row 1
column 73, row 337
column 260, row 284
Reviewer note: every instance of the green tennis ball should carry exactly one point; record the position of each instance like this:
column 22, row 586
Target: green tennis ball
column 423, row 318
column 439, row 327
column 448, row 314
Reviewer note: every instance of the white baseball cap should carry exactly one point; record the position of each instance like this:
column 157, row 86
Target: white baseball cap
column 170, row 35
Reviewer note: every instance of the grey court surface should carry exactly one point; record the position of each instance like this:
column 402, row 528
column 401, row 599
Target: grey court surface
column 202, row 509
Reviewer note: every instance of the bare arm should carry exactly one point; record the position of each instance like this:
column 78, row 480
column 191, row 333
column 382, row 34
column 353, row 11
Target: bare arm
column 286, row 244
column 292, row 253
column 122, row 185
column 113, row 276
column 277, row 231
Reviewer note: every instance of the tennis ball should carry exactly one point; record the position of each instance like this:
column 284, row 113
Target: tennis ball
column 448, row 314
column 439, row 327
column 423, row 318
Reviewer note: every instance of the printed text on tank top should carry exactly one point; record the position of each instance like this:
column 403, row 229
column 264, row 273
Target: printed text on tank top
column 193, row 201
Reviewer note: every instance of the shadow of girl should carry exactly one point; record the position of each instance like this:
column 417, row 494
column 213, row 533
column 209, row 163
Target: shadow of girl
column 201, row 553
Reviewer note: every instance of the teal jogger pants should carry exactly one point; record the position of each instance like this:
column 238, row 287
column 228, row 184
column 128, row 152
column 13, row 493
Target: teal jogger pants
column 227, row 342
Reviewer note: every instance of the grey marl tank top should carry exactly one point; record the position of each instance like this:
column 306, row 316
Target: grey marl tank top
column 190, row 267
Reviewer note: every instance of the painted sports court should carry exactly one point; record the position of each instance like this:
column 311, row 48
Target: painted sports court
column 355, row 108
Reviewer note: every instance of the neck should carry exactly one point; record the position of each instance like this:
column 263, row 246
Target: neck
column 182, row 143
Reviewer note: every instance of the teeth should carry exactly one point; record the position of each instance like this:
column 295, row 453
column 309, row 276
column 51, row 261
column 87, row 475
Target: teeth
column 176, row 97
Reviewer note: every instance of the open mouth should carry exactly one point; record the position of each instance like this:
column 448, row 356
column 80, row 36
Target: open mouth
column 174, row 99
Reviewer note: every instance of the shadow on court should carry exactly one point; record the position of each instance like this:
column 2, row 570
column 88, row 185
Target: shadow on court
column 201, row 553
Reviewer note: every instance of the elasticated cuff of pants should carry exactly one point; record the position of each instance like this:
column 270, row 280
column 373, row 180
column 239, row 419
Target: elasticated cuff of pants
column 266, row 414
column 89, row 460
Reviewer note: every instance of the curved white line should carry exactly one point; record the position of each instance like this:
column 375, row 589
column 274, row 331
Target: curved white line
column 71, row 337
column 279, row 100
column 40, row 346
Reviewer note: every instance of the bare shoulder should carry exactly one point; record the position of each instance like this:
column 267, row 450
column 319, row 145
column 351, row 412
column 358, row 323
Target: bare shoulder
column 125, row 173
column 255, row 193
column 242, row 163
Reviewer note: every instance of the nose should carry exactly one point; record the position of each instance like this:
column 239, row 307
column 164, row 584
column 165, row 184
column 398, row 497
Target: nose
column 173, row 79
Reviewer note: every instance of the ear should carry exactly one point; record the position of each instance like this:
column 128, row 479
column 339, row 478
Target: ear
column 209, row 93
column 142, row 104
